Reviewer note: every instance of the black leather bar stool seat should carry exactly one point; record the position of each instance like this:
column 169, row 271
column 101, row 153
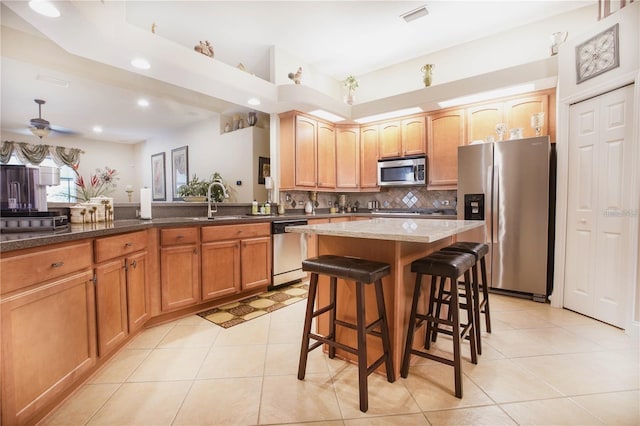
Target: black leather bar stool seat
column 442, row 265
column 479, row 250
column 362, row 272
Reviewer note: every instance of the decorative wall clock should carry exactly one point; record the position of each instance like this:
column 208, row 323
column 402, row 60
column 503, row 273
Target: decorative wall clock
column 597, row 55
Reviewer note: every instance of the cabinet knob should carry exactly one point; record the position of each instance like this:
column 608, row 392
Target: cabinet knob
column 128, row 244
column 195, row 251
column 57, row 264
column 134, row 264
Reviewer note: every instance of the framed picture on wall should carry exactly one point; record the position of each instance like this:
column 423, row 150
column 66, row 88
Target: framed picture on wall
column 179, row 169
column 597, row 55
column 158, row 177
column 264, row 169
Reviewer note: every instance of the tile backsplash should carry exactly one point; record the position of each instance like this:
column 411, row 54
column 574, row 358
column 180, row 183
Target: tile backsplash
column 388, row 198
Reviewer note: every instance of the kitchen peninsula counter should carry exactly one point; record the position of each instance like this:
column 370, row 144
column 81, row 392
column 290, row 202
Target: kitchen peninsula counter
column 396, row 241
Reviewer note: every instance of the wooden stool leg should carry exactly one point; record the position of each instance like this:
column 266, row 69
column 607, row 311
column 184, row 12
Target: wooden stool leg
column 455, row 315
column 332, row 314
column 304, row 350
column 434, row 301
column 471, row 319
column 485, row 294
column 476, row 308
column 404, row 369
column 362, row 348
column 386, row 341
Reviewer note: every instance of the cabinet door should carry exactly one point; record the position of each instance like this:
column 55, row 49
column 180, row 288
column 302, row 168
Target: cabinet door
column 482, row 120
column 518, row 113
column 369, row 157
column 256, row 262
column 220, row 269
column 390, row 140
column 446, row 133
column 111, row 305
column 137, row 303
column 347, row 157
column 413, row 136
column 48, row 342
column 326, row 156
column 305, row 155
column 179, row 271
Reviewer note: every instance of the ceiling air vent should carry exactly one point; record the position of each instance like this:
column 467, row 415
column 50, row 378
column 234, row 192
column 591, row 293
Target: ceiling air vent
column 415, row 14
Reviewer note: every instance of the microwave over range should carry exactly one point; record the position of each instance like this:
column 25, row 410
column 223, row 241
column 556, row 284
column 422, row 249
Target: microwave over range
column 402, row 171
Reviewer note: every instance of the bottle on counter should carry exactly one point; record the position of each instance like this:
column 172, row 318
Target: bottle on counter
column 267, row 208
column 254, row 207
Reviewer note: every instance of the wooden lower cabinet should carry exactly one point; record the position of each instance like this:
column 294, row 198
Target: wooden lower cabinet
column 180, row 279
column 137, row 290
column 256, row 262
column 111, row 305
column 220, row 269
column 48, row 342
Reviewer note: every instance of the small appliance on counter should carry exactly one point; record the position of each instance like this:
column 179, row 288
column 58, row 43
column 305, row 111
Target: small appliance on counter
column 32, row 221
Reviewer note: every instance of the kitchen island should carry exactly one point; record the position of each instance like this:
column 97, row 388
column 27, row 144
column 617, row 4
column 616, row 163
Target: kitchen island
column 395, row 241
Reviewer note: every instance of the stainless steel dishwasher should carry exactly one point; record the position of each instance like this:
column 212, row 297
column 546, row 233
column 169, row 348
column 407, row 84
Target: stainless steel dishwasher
column 289, row 250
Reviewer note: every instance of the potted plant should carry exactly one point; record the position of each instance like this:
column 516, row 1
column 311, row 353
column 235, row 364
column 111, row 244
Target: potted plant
column 351, row 84
column 196, row 190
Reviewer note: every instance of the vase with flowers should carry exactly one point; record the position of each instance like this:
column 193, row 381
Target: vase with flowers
column 93, row 193
column 351, row 84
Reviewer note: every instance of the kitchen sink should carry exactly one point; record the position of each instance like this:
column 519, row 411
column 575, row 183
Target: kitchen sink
column 218, row 218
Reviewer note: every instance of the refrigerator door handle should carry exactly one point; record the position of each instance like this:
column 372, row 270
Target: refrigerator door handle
column 495, row 218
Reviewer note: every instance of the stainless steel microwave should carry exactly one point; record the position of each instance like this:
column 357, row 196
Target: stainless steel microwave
column 402, row 171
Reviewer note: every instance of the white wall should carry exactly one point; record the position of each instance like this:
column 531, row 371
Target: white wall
column 97, row 155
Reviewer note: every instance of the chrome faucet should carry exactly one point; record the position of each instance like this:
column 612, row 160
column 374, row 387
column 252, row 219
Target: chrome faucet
column 225, row 194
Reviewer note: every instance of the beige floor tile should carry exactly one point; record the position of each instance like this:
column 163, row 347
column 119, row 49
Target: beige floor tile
column 284, row 359
column 606, row 335
column 82, row 405
column 324, row 423
column 221, row 402
column 285, row 399
column 192, row 320
column 286, row 332
column 170, row 364
column 190, row 336
column 433, row 388
column 234, row 361
column 563, row 317
column 617, row 408
column 294, row 312
column 399, row 420
column 254, row 332
column 538, row 341
column 384, row 398
column 120, row 367
column 560, row 411
column 585, row 373
column 143, row 404
column 149, row 338
column 489, row 415
column 505, row 381
column 521, row 319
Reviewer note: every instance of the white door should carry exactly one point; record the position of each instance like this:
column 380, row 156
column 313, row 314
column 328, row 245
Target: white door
column 598, row 252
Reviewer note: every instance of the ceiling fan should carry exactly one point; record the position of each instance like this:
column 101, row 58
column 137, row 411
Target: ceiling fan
column 41, row 127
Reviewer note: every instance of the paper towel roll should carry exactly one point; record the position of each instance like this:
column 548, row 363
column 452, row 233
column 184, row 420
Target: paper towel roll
column 145, row 203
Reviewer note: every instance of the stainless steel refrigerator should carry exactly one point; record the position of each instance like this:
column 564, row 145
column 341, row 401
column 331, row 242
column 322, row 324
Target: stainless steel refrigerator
column 507, row 184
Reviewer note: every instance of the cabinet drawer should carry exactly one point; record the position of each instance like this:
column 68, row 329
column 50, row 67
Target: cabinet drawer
column 178, row 236
column 233, row 232
column 34, row 267
column 119, row 245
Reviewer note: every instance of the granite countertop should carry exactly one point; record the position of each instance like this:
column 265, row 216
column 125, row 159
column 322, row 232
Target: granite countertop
column 15, row 241
column 396, row 229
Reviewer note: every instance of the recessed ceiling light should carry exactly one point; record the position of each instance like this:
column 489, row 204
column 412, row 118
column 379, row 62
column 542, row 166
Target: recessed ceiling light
column 143, row 103
column 390, row 114
column 320, row 113
column 44, row 8
column 254, row 101
column 97, row 129
column 140, row 63
column 414, row 14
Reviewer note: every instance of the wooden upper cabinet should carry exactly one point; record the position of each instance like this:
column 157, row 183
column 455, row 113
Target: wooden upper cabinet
column 518, row 113
column 482, row 120
column 369, row 157
column 446, row 132
column 326, row 155
column 390, row 139
column 305, row 152
column 413, row 136
column 347, row 157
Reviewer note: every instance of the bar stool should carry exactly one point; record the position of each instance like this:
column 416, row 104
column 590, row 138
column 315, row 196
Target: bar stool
column 479, row 250
column 362, row 272
column 443, row 265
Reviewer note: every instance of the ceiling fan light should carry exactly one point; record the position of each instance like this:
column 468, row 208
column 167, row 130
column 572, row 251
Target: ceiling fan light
column 44, row 8
column 40, row 132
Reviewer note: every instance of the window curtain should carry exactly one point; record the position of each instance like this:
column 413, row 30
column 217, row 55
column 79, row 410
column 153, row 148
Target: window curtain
column 35, row 154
